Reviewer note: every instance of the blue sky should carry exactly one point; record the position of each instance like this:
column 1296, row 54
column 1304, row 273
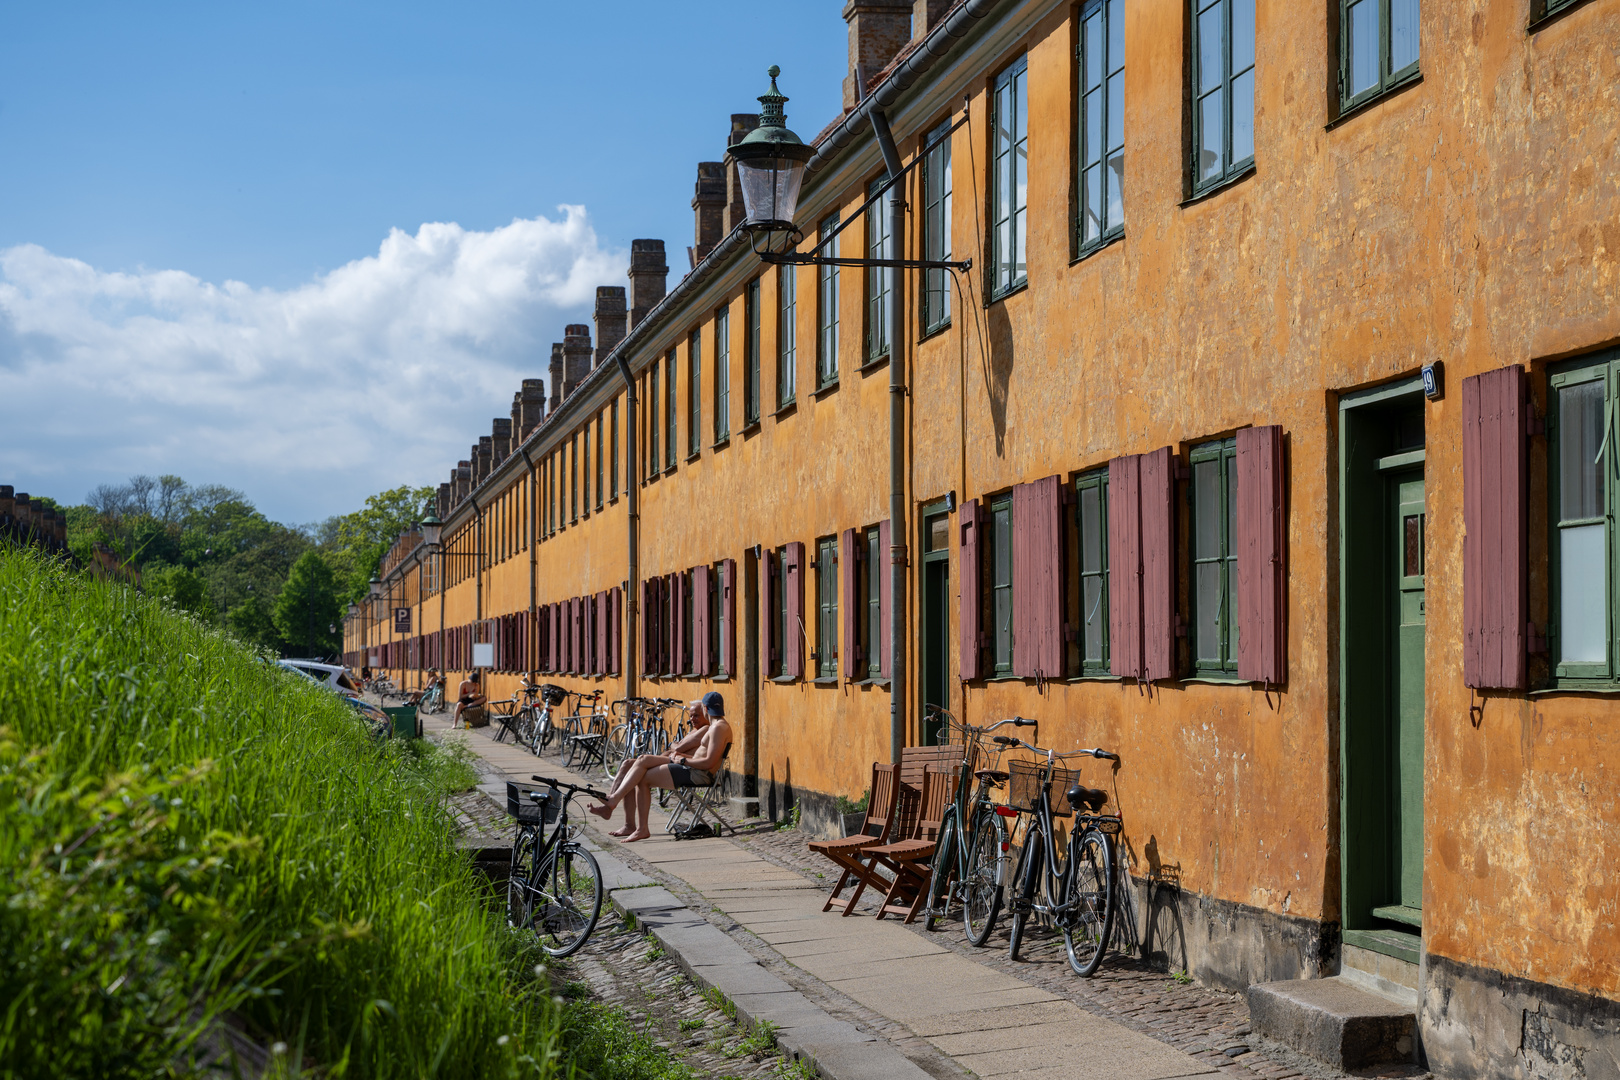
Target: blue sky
column 154, row 153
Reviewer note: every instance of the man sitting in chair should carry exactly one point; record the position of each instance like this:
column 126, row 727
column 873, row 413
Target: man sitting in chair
column 692, row 762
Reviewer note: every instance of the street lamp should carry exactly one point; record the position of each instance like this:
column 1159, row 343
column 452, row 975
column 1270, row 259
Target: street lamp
column 770, row 166
column 432, row 530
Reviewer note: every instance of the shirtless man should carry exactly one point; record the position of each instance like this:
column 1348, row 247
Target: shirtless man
column 692, row 762
column 470, row 700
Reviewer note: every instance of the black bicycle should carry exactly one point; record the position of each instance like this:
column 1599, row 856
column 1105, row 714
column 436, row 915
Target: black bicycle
column 1078, row 893
column 554, row 887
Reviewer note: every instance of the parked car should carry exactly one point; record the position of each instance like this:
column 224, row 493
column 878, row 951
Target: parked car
column 334, row 677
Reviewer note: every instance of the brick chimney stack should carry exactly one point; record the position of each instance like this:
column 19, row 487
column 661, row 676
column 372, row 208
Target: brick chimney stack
column 576, row 349
column 463, row 481
column 926, row 14
column 878, row 30
column 8, row 504
column 648, row 275
column 443, row 506
column 741, row 125
column 610, row 320
column 709, row 209
column 500, row 440
column 483, row 457
column 532, row 402
column 556, row 377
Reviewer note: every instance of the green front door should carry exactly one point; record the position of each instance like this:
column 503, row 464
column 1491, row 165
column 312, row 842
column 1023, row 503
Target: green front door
column 1406, row 710
column 936, row 623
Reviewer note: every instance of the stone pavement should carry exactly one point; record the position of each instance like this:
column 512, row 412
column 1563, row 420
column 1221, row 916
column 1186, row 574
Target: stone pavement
column 867, row 998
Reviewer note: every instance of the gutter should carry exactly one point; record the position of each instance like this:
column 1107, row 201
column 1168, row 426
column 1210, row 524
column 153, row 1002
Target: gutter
column 632, row 605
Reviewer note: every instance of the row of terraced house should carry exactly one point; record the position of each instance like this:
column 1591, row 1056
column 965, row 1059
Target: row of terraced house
column 1282, row 320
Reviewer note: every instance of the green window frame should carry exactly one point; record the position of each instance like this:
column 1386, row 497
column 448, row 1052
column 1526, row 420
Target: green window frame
column 1545, row 8
column 751, row 353
column 573, row 479
column 779, row 626
column 1009, row 179
column 1378, row 48
column 722, row 374
column 999, row 585
column 694, row 393
column 1223, row 91
column 613, row 441
column 652, row 419
column 585, row 469
column 827, row 607
column 879, row 279
column 871, row 567
column 1091, row 525
column 936, row 228
column 787, row 333
column 1582, row 473
column 601, row 460
column 669, row 410
column 1214, row 558
column 717, row 616
column 1100, row 68
column 827, row 312
column 684, row 582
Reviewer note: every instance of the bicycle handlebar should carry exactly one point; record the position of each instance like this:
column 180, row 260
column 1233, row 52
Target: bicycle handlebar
column 550, row 782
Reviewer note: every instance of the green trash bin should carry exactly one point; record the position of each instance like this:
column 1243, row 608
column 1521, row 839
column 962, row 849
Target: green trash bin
column 406, row 723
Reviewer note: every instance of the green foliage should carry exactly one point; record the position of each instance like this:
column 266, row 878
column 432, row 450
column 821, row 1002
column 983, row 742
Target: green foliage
column 719, row 1000
column 187, row 832
column 181, row 586
column 790, row 820
column 603, row 1044
column 253, row 622
column 761, row 1040
column 308, row 606
column 846, row 805
column 1182, row 978
column 358, row 541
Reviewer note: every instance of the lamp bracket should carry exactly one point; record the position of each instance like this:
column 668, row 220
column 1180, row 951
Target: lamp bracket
column 806, row 259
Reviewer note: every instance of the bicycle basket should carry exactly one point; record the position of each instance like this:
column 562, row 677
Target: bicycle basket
column 553, row 694
column 526, row 810
column 1024, row 787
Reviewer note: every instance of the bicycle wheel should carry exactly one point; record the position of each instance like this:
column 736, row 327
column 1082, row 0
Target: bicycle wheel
column 942, row 882
column 573, row 901
column 520, row 882
column 1089, row 922
column 981, row 893
column 570, row 748
column 1027, row 880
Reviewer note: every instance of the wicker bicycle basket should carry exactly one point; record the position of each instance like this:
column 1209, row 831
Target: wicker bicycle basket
column 526, row 810
column 1024, row 787
column 553, row 694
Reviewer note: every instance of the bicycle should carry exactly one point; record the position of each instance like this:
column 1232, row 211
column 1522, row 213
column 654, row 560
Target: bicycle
column 433, row 701
column 971, row 856
column 1080, row 895
column 554, row 886
column 580, row 726
column 383, row 687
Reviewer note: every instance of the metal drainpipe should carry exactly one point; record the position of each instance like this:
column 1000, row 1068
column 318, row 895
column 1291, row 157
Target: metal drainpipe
column 534, row 493
column 478, row 581
column 898, row 528
column 631, row 606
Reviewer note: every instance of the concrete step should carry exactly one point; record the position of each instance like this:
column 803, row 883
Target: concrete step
column 744, row 806
column 1334, row 1021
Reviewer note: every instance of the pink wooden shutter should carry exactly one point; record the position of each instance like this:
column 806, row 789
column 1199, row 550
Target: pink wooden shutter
column 967, row 591
column 1125, row 566
column 1261, row 556
column 677, row 624
column 1496, row 567
column 1158, row 565
column 1038, row 579
column 793, row 581
column 556, row 636
column 601, row 665
column 728, row 628
column 646, row 627
column 885, row 601
column 767, row 625
column 615, row 629
column 847, row 555
column 701, row 664
column 575, row 667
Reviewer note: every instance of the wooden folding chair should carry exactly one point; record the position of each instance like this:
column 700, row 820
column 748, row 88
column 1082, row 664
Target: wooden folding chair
column 910, row 859
column 880, row 814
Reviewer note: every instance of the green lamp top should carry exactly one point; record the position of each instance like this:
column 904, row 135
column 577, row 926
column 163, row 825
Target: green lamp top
column 772, row 138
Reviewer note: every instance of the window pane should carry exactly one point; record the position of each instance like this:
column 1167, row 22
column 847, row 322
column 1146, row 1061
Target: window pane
column 1116, row 34
column 1091, row 538
column 1094, row 59
column 1361, row 39
column 1116, row 111
column 1210, row 36
column 1583, row 631
column 1211, row 154
column 1403, row 33
column 1095, row 617
column 1580, row 433
column 1207, row 513
column 1093, row 146
column 1209, row 611
column 1116, row 196
column 1243, row 117
column 1242, row 35
column 1412, row 545
column 939, row 534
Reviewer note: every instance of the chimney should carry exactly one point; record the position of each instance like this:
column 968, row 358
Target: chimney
column 648, row 273
column 483, row 459
column 532, row 402
column 610, row 316
column 446, row 492
column 463, row 481
column 576, row 349
column 501, row 441
column 878, row 30
column 709, row 206
column 556, row 376
column 741, row 125
column 926, row 14
column 8, row 504
column 59, row 529
column 25, row 516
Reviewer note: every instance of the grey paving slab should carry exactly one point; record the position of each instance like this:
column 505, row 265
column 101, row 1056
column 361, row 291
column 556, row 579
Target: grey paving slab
column 878, row 1061
column 703, row 945
column 927, row 1002
column 616, row 875
column 1055, row 1033
column 991, row 1018
column 734, row 979
column 653, row 898
column 1123, row 1055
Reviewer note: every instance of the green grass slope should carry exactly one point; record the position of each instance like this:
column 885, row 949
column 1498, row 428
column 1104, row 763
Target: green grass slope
column 187, row 833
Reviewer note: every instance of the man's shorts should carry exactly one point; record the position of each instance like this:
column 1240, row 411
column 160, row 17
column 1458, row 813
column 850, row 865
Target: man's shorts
column 686, row 776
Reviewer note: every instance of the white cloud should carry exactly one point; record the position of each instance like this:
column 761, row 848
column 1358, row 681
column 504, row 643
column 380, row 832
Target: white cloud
column 379, row 373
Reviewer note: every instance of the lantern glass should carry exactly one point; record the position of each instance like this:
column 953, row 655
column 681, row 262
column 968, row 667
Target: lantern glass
column 770, row 190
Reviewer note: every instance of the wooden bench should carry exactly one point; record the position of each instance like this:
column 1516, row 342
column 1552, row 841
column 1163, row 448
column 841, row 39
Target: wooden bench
column 910, row 860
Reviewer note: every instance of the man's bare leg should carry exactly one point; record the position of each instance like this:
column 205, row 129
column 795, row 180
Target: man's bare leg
column 629, row 825
column 655, row 777
column 627, row 783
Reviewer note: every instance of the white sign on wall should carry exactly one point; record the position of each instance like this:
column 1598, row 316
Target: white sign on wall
column 484, row 654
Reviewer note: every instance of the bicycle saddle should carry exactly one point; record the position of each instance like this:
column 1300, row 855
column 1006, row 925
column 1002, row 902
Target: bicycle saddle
column 1091, row 798
column 994, row 776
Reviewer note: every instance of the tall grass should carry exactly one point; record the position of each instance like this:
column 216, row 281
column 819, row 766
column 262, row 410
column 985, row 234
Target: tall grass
column 189, row 834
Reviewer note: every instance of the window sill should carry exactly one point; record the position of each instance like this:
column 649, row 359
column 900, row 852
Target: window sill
column 1602, row 687
column 693, row 456
column 784, row 679
column 614, row 501
column 1220, row 186
column 1095, row 678
column 1012, row 290
column 874, row 364
column 720, row 678
column 1367, row 104
column 1541, row 22
column 934, row 331
column 785, row 409
column 825, row 680
column 751, row 428
column 1108, row 241
column 1216, row 679
column 721, row 443
column 669, row 470
column 825, row 389
column 882, row 683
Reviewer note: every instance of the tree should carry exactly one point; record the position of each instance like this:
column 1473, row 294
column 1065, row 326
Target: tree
column 308, row 605
column 362, row 538
column 253, row 622
column 181, row 586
